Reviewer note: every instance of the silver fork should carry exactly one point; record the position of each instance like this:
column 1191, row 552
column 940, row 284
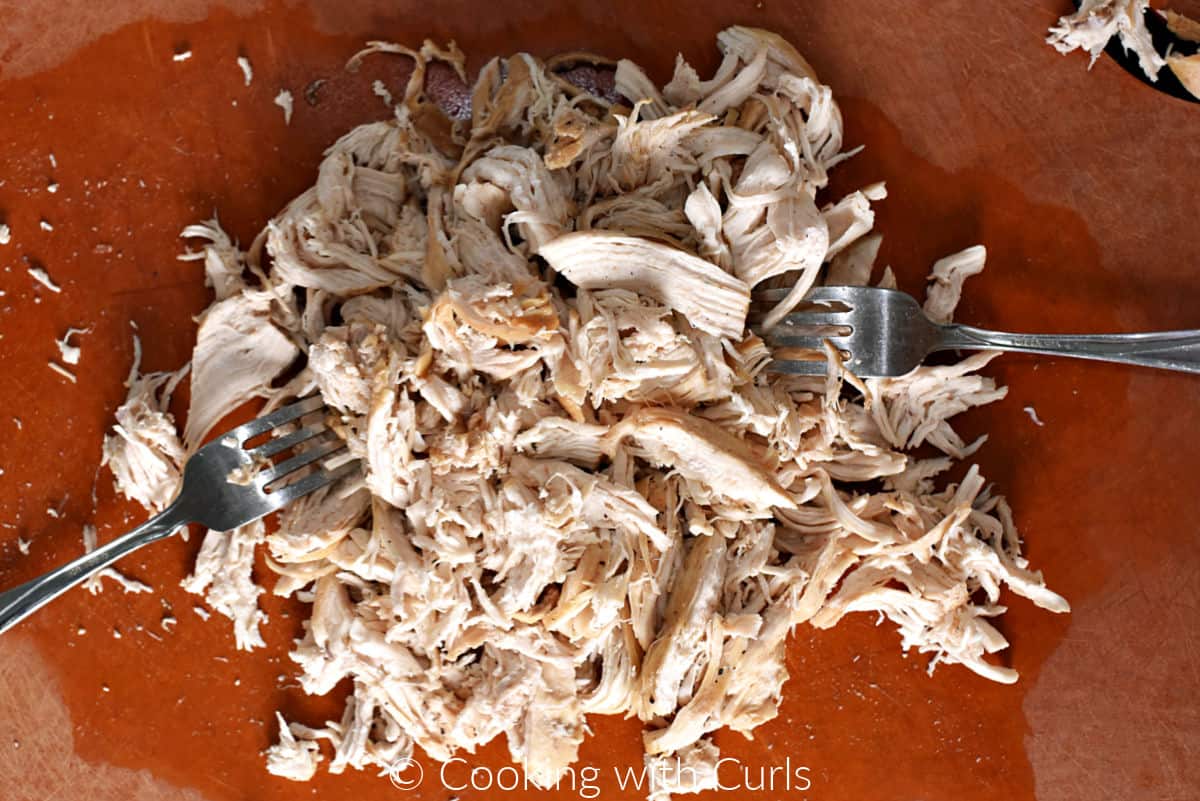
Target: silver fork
column 209, row 497
column 886, row 333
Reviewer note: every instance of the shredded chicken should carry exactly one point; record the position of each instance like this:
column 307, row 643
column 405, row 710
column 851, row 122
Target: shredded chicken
column 247, row 69
column 1096, row 22
column 582, row 492
column 62, row 371
column 692, row 769
column 946, row 281
column 284, row 101
column 1033, row 415
column 223, row 576
column 67, row 352
column 380, row 90
column 43, row 278
column 292, row 758
column 143, row 451
column 710, row 299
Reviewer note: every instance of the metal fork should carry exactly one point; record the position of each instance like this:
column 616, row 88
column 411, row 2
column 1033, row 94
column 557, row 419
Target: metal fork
column 886, row 333
column 209, row 497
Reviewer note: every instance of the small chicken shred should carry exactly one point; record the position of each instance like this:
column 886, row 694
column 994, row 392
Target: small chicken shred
column 247, row 69
column 94, row 583
column 284, row 101
column 1096, row 22
column 582, row 492
column 66, row 351
column 43, row 278
column 143, row 451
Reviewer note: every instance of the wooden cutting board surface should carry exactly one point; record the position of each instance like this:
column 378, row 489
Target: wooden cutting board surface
column 1083, row 186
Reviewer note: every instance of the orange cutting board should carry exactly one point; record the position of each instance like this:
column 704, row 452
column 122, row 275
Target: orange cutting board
column 1082, row 185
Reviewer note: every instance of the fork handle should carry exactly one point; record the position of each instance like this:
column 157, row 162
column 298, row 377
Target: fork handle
column 1166, row 350
column 18, row 603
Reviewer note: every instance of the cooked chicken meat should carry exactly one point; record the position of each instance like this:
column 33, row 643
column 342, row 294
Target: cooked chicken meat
column 143, row 451
column 711, row 299
column 1096, row 22
column 582, row 492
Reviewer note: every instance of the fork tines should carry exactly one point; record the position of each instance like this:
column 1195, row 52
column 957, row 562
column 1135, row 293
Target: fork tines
column 311, row 443
column 825, row 315
column 275, row 419
column 820, row 294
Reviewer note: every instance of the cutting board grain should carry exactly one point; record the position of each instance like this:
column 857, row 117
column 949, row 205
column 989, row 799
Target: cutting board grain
column 1082, row 185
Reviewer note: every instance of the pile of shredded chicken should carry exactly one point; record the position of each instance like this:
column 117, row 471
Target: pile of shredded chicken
column 582, row 489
